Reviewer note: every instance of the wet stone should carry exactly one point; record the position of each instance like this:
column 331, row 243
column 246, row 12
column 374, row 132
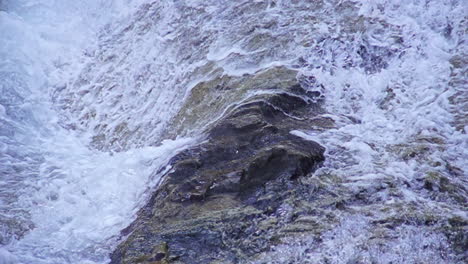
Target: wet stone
column 227, row 199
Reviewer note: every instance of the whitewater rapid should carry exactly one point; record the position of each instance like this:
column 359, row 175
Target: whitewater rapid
column 80, row 150
column 60, row 201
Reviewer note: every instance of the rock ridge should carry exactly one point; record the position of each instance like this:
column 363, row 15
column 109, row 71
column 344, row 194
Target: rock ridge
column 223, row 201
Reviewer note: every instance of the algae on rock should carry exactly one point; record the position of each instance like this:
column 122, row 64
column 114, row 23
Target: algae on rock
column 240, row 191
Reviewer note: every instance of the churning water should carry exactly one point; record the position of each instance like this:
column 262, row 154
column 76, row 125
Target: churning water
column 88, row 88
column 61, row 202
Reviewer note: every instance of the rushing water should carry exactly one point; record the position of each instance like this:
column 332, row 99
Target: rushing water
column 61, row 202
column 88, row 90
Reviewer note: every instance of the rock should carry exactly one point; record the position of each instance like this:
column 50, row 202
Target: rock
column 209, row 99
column 456, row 232
column 232, row 197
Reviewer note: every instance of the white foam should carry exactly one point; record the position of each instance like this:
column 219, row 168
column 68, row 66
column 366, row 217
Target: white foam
column 78, row 198
column 63, row 202
column 419, row 81
column 83, row 198
column 352, row 240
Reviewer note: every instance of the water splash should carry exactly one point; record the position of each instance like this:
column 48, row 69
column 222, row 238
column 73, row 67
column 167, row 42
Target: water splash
column 60, row 201
column 391, row 74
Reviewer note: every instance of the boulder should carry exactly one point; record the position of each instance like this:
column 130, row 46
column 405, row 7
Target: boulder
column 228, row 199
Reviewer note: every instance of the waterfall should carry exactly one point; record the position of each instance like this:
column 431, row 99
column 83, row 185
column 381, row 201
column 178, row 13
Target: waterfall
column 97, row 98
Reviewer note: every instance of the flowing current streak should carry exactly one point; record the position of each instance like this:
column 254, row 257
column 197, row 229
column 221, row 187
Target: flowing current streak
column 386, row 70
column 392, row 93
column 60, row 202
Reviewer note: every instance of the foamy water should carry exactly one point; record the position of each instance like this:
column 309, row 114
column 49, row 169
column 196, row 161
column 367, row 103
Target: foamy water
column 61, row 202
column 87, row 89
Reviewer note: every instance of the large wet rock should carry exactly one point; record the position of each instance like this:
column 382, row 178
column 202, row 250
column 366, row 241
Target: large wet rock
column 233, row 196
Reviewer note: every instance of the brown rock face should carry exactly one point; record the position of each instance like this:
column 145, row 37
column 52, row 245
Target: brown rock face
column 223, row 201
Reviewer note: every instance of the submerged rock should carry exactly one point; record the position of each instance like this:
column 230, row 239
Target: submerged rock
column 235, row 195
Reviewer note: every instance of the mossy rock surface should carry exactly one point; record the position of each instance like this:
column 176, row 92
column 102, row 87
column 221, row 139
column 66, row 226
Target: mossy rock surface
column 238, row 193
